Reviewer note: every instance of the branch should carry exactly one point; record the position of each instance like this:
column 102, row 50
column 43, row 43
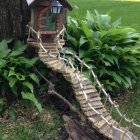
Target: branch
column 53, row 92
column 50, row 83
column 72, row 108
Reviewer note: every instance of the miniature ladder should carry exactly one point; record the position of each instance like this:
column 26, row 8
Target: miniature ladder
column 76, row 78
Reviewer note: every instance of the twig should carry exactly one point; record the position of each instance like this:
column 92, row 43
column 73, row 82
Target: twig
column 53, row 92
column 50, row 83
column 72, row 108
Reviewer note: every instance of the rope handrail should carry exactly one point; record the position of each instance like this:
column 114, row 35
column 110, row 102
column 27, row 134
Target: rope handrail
column 98, row 112
column 41, row 45
column 100, row 85
column 69, row 62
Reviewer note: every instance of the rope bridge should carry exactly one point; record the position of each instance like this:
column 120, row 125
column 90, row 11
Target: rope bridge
column 85, row 91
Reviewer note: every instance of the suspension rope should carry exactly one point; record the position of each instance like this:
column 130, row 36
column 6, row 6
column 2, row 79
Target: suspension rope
column 98, row 82
column 89, row 104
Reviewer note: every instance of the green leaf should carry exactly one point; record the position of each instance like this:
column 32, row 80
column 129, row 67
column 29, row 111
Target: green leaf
column 31, row 97
column 19, row 76
column 69, row 49
column 103, row 71
column 82, row 41
column 4, row 51
column 9, row 40
column 131, row 58
column 11, row 72
column 28, row 85
column 73, row 40
column 130, row 70
column 19, row 46
column 18, row 49
column 81, row 53
column 12, row 81
column 28, row 62
column 116, row 23
column 87, row 32
column 128, row 81
column 115, row 58
column 34, row 78
column 89, row 19
column 116, row 76
column 3, row 63
column 14, row 90
column 106, row 63
column 109, row 58
column 103, row 21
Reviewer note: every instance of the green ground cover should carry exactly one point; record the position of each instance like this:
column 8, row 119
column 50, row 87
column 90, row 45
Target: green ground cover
column 31, row 126
column 128, row 10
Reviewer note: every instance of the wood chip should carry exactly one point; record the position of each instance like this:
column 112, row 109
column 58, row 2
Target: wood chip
column 92, row 113
column 93, row 101
column 87, row 91
column 46, row 59
column 102, row 121
column 88, row 108
column 53, row 62
column 86, row 85
column 91, row 97
column 94, row 119
column 43, row 55
column 125, row 137
column 107, row 129
column 97, row 118
column 59, row 67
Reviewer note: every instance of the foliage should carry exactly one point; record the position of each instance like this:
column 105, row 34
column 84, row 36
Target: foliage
column 17, row 78
column 128, row 10
column 111, row 50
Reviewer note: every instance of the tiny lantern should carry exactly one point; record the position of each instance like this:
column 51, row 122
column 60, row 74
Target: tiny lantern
column 56, row 7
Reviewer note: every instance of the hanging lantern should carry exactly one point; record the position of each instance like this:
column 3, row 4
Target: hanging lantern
column 56, row 7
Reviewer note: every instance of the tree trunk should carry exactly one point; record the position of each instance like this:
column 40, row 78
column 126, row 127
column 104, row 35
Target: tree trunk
column 14, row 16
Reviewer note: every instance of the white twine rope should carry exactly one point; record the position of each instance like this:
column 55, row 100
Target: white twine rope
column 93, row 74
column 89, row 104
column 99, row 84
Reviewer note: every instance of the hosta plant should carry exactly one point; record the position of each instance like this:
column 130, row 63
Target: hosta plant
column 17, row 78
column 110, row 49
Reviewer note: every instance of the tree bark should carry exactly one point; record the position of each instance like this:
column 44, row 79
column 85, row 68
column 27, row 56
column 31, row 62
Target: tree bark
column 78, row 130
column 14, row 16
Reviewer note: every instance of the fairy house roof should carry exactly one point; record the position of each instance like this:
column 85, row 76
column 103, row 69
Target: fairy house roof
column 65, row 3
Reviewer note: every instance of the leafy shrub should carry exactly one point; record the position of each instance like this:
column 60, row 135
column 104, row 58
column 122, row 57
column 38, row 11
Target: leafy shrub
column 111, row 50
column 17, row 78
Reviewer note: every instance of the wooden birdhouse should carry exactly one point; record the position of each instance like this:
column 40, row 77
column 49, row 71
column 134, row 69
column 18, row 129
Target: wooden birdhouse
column 48, row 16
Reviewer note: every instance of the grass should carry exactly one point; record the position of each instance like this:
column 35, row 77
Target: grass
column 127, row 10
column 129, row 104
column 45, row 126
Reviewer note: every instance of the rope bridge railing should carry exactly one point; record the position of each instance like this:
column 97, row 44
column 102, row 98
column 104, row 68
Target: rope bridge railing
column 101, row 88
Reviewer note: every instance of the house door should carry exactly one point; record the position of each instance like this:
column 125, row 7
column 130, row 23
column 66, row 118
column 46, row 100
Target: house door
column 47, row 22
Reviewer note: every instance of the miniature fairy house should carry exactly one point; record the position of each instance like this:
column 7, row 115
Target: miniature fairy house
column 48, row 16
